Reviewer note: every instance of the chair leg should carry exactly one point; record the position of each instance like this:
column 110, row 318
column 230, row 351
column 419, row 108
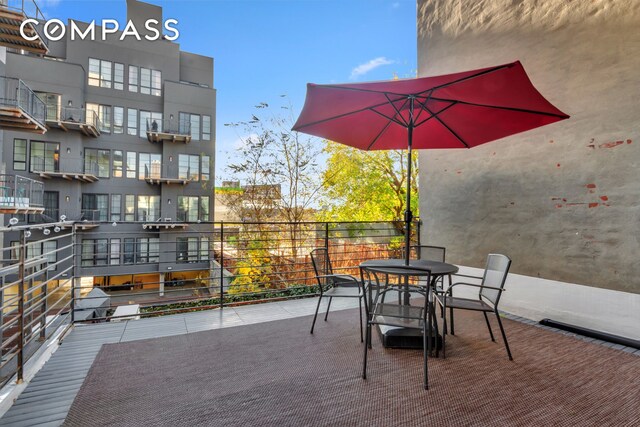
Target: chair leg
column 432, row 310
column 315, row 316
column 328, row 307
column 367, row 345
column 451, row 317
column 504, row 336
column 426, row 336
column 486, row 318
column 444, row 329
column 360, row 304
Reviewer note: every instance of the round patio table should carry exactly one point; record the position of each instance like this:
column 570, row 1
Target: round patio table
column 416, row 268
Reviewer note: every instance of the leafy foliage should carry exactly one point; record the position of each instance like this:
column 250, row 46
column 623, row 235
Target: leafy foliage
column 366, row 185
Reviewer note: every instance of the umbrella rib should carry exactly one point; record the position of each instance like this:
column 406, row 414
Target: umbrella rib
column 339, row 116
column 520, row 110
column 448, row 128
column 396, row 109
column 432, row 114
column 391, row 119
column 379, row 135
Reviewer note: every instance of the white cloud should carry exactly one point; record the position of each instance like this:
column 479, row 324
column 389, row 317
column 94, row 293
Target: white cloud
column 363, row 69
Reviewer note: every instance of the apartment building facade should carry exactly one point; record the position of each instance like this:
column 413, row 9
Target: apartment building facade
column 127, row 153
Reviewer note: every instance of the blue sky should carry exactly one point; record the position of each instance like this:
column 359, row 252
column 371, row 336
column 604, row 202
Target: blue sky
column 265, row 48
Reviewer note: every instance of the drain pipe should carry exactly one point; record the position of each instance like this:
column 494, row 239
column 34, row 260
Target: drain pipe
column 616, row 339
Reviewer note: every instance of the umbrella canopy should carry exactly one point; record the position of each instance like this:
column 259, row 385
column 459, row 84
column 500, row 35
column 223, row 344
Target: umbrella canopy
column 460, row 110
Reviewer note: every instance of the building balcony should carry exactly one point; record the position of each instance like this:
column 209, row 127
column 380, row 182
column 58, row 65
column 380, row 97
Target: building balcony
column 12, row 14
column 20, row 108
column 52, row 171
column 73, row 119
column 153, row 176
column 164, row 224
column 21, row 195
column 169, row 130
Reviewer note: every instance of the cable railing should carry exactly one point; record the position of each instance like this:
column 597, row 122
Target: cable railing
column 56, row 272
column 81, row 116
column 15, row 93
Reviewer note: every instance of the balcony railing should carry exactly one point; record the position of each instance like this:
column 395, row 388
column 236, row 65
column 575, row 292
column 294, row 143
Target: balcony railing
column 172, row 130
column 153, row 175
column 50, row 168
column 74, row 118
column 21, row 195
column 20, row 107
column 13, row 13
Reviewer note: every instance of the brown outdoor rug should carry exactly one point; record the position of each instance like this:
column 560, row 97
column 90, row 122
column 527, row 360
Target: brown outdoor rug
column 277, row 374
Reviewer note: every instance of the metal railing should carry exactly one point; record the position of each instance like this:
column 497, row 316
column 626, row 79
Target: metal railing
column 30, row 9
column 20, row 192
column 35, row 295
column 40, row 164
column 15, row 93
column 73, row 115
column 156, row 171
column 208, row 265
column 169, row 126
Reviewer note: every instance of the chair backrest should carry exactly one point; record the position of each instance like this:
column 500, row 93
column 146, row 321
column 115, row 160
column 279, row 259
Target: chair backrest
column 428, row 253
column 321, row 264
column 495, row 275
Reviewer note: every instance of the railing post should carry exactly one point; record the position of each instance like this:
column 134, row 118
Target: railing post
column 418, row 226
column 326, row 235
column 221, row 264
column 74, row 272
column 43, row 314
column 21, row 274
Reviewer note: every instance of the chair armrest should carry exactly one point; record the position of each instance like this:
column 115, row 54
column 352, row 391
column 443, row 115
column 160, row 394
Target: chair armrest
column 475, row 285
column 339, row 276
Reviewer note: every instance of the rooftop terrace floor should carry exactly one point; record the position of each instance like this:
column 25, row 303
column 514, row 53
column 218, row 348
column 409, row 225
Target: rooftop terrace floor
column 48, row 397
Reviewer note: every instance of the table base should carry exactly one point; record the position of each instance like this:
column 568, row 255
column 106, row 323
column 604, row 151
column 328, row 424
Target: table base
column 393, row 337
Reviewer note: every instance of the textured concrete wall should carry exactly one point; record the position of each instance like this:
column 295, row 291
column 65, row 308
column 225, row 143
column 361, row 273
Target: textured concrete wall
column 563, row 200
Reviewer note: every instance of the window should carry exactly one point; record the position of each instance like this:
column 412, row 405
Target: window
column 146, row 120
column 99, row 73
column 132, row 121
column 133, row 78
column 150, row 82
column 48, row 250
column 131, row 164
column 118, row 120
column 50, row 202
column 148, row 208
column 114, row 252
column 117, row 163
column 204, row 208
column 204, row 249
column 118, row 76
column 149, row 165
column 128, row 254
column 193, row 208
column 188, row 166
column 147, row 249
column 195, row 127
column 104, row 115
column 129, row 207
column 145, row 81
column 95, row 206
column 97, row 162
column 205, row 168
column 192, row 122
column 206, row 128
column 94, row 252
column 20, row 154
column 53, row 103
column 116, row 207
column 187, row 249
column 44, row 156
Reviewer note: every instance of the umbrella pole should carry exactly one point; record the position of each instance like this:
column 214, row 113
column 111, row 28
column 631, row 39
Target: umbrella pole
column 408, row 217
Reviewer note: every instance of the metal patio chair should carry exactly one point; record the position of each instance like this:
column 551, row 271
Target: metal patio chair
column 398, row 314
column 489, row 293
column 334, row 285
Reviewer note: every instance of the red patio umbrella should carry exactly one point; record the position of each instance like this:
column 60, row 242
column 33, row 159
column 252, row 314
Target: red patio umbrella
column 458, row 110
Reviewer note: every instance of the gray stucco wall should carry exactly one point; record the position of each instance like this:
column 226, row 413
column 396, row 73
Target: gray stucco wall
column 564, row 200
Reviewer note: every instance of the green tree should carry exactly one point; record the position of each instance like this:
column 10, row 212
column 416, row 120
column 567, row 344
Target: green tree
column 366, row 185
